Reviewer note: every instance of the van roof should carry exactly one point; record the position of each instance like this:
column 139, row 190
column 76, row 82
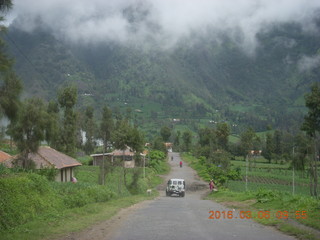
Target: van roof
column 177, row 179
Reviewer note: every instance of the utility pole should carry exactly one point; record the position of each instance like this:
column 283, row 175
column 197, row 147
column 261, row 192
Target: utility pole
column 247, row 172
column 293, row 170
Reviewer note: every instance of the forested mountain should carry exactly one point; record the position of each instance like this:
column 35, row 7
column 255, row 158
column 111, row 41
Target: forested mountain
column 194, row 79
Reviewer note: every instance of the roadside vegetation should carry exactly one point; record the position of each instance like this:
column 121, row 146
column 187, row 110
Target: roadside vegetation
column 271, row 202
column 33, row 207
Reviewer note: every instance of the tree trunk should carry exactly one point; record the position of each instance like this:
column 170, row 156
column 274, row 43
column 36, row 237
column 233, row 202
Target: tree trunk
column 311, row 177
column 315, row 170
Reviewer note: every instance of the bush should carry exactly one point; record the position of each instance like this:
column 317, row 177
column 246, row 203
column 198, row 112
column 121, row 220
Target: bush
column 264, row 195
column 25, row 196
column 80, row 194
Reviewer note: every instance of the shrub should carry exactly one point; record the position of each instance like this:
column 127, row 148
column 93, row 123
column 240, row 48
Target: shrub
column 264, row 195
column 25, row 196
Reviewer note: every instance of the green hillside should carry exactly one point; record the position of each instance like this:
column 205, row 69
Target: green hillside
column 208, row 79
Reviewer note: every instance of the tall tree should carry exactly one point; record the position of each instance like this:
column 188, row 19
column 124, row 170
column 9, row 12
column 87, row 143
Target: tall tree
column 311, row 125
column 222, row 134
column 52, row 128
column 106, row 126
column 176, row 142
column 246, row 141
column 187, row 139
column 277, row 142
column 67, row 98
column 269, row 149
column 89, row 128
column 5, row 5
column 10, row 85
column 29, row 129
column 165, row 133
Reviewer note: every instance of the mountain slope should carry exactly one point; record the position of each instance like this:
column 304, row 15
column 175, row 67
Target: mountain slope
column 189, row 80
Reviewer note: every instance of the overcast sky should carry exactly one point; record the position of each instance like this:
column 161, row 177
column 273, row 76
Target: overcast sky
column 166, row 21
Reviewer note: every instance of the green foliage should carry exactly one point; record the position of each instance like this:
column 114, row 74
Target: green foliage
column 158, row 144
column 264, row 195
column 106, row 126
column 157, row 161
column 187, row 140
column 165, row 133
column 67, row 98
column 25, row 196
column 29, row 130
column 10, row 90
column 90, row 128
column 80, row 194
column 49, row 173
column 246, row 141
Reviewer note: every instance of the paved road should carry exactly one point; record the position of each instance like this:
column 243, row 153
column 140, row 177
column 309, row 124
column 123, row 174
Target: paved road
column 186, row 218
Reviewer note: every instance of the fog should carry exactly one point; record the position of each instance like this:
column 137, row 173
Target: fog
column 165, row 22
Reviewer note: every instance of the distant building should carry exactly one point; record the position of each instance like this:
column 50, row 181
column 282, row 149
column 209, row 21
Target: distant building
column 47, row 157
column 5, row 159
column 127, row 155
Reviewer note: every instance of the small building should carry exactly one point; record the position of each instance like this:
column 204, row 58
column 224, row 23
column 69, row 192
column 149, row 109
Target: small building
column 47, row 157
column 127, row 155
column 98, row 158
column 5, row 158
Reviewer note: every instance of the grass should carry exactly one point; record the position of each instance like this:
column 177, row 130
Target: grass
column 276, row 198
column 278, row 204
column 53, row 224
column 72, row 220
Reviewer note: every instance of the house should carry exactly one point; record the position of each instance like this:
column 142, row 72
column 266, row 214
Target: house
column 127, row 155
column 47, row 157
column 98, row 158
column 5, row 158
column 168, row 146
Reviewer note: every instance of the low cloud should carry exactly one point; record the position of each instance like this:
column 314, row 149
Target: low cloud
column 307, row 63
column 165, row 22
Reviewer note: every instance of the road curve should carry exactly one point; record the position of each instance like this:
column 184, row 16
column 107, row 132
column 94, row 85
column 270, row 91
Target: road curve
column 187, row 218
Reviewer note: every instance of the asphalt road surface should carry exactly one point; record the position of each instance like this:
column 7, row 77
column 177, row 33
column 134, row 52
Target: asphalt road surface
column 187, row 218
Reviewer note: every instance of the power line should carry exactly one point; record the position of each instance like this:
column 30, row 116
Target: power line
column 21, row 52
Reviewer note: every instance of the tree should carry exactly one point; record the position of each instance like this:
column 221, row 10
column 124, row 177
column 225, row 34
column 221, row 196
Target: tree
column 10, row 89
column 89, row 128
column 187, row 137
column 269, row 150
column 176, row 142
column 52, row 128
column 126, row 136
column 67, row 98
column 106, row 126
column 29, row 129
column 5, row 5
column 246, row 141
column 10, row 85
column 222, row 134
column 311, row 126
column 277, row 142
column 165, row 133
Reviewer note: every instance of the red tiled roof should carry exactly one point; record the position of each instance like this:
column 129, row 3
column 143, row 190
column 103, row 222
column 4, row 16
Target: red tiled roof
column 47, row 156
column 4, row 156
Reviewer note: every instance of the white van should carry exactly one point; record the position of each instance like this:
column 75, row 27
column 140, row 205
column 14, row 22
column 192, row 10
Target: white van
column 176, row 186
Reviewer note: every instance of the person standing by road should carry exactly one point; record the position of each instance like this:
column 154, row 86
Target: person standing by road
column 211, row 185
column 180, row 163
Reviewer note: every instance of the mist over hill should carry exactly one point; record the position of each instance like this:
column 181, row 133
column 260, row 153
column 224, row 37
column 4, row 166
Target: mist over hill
column 250, row 62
